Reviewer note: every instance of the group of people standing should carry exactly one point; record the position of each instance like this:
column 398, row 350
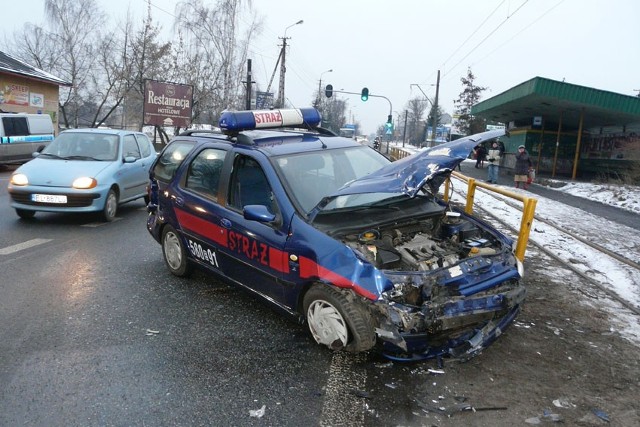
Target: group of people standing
column 493, row 157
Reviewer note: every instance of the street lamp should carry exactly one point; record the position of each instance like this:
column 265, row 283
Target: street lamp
column 283, row 68
column 292, row 25
column 320, row 85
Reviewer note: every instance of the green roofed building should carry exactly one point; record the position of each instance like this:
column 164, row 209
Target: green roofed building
column 569, row 130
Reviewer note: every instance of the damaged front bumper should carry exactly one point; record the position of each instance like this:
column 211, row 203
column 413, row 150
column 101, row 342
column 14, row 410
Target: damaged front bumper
column 424, row 316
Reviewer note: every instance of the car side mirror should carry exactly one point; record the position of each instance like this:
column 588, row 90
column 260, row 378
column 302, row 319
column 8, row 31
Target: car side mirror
column 258, row 213
column 129, row 159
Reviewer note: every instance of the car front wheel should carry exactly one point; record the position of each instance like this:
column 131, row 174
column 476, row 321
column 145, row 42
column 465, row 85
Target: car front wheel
column 174, row 252
column 110, row 206
column 25, row 214
column 338, row 322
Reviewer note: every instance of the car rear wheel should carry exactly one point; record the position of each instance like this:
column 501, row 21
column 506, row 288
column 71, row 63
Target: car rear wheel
column 110, row 206
column 174, row 252
column 337, row 321
column 25, row 214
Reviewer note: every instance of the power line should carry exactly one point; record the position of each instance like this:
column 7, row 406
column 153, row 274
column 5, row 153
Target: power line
column 487, row 36
column 519, row 32
column 472, row 34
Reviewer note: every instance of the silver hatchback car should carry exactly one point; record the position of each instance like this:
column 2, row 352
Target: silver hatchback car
column 84, row 170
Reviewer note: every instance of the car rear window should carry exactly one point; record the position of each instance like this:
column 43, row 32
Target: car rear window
column 171, row 159
column 15, row 126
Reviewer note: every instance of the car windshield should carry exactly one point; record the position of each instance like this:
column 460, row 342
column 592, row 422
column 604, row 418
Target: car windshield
column 364, row 200
column 83, row 146
column 313, row 175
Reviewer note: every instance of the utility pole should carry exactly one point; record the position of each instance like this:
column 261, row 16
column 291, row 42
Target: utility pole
column 435, row 111
column 404, row 131
column 283, row 67
column 249, row 84
column 283, row 70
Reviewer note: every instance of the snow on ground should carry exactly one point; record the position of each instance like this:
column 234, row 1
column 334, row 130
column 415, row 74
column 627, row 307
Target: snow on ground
column 623, row 280
column 621, row 196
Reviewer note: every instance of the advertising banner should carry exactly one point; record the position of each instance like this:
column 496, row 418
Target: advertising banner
column 15, row 94
column 167, row 104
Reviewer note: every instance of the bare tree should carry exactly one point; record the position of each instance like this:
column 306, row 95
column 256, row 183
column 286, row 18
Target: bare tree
column 145, row 57
column 110, row 84
column 107, row 67
column 34, row 44
column 213, row 57
column 416, row 108
column 334, row 114
column 75, row 30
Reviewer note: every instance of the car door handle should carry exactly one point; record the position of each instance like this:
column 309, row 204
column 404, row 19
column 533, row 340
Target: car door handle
column 225, row 223
column 179, row 201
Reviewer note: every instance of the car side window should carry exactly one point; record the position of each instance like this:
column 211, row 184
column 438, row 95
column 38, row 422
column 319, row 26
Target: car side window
column 170, row 160
column 203, row 175
column 144, row 144
column 249, row 185
column 130, row 147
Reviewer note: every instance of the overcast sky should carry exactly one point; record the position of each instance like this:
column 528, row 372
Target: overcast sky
column 389, row 45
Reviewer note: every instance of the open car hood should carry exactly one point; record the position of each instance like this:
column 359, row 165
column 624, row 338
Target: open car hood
column 412, row 173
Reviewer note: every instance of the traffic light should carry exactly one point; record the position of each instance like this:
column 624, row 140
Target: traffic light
column 364, row 95
column 389, row 119
column 328, row 91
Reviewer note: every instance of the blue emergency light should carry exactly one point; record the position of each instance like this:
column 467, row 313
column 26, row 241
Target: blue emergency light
column 237, row 121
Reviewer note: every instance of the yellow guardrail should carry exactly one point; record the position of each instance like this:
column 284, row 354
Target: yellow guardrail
column 397, row 153
column 529, row 207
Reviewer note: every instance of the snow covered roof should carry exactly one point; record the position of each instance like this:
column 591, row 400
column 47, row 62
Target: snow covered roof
column 11, row 65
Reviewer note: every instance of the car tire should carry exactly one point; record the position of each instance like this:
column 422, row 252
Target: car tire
column 25, row 214
column 174, row 253
column 337, row 321
column 110, row 206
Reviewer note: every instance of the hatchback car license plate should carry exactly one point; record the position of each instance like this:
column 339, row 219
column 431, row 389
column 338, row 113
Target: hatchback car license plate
column 48, row 198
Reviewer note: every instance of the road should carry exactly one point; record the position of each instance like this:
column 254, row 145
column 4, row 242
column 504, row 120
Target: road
column 95, row 332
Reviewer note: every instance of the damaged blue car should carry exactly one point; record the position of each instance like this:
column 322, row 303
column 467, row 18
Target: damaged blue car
column 361, row 249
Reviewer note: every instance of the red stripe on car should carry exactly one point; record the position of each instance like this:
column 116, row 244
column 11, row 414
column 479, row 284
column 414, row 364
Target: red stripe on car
column 310, row 269
column 278, row 260
column 203, row 227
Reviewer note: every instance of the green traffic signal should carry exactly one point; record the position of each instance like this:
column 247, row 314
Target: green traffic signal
column 364, row 95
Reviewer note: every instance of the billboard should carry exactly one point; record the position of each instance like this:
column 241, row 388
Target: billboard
column 167, row 104
column 264, row 100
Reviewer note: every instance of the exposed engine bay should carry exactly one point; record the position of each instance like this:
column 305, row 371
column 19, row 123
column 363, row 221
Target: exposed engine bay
column 442, row 267
column 423, row 245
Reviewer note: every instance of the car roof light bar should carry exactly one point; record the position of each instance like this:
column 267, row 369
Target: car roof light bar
column 233, row 122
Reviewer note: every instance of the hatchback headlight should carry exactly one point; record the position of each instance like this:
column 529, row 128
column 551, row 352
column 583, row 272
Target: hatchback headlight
column 19, row 179
column 84, row 183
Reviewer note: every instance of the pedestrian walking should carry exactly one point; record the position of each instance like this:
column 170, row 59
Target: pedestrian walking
column 523, row 163
column 481, row 155
column 493, row 159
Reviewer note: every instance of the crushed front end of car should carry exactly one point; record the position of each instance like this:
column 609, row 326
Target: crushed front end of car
column 452, row 283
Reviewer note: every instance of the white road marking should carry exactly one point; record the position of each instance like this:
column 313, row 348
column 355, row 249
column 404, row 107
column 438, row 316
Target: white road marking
column 22, row 246
column 341, row 406
column 99, row 224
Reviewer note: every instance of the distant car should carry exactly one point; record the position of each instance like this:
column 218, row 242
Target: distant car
column 84, row 170
column 330, row 231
